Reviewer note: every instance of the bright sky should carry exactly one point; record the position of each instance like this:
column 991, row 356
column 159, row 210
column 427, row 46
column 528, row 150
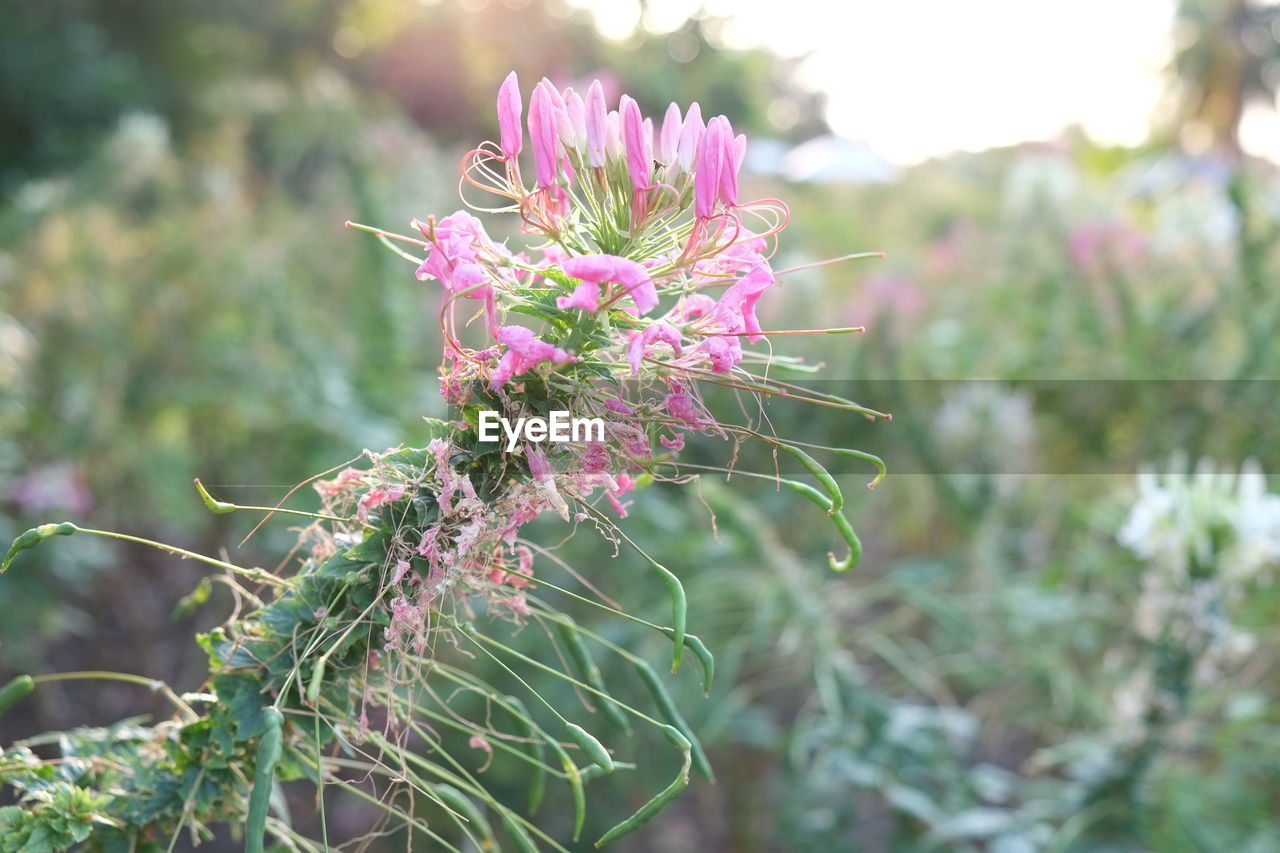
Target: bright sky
column 922, row 78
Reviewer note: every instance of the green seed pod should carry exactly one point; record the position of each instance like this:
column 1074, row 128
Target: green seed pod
column 881, row 468
column 824, row 477
column 667, row 710
column 317, row 681
column 34, row 537
column 466, row 807
column 518, row 833
column 700, row 650
column 676, row 739
column 537, row 784
column 592, row 771
column 591, row 747
column 679, row 612
column 648, row 810
column 15, row 691
column 216, row 507
column 839, row 520
column 270, row 748
column 579, row 795
column 587, row 670
column 851, row 538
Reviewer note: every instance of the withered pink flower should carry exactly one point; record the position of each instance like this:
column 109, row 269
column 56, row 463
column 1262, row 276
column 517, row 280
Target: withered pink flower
column 524, row 352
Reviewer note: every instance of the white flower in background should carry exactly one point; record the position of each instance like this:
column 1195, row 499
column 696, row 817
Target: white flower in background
column 139, row 147
column 16, row 347
column 1210, row 522
column 985, row 428
column 1205, row 536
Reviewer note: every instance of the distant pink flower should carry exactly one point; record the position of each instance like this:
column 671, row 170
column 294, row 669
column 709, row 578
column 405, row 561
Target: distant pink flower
column 606, row 269
column 509, row 106
column 1102, row 247
column 524, row 352
column 888, row 294
column 60, row 487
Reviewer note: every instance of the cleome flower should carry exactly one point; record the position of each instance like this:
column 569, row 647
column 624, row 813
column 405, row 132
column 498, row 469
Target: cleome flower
column 640, row 285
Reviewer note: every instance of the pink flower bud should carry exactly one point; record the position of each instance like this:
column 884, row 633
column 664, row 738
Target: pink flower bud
column 510, row 136
column 669, row 137
column 613, row 135
column 710, row 157
column 577, row 112
column 544, row 134
column 639, row 161
column 689, row 136
column 728, row 164
column 597, row 124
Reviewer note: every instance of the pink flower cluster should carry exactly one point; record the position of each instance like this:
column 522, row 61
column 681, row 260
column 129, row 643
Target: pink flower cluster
column 568, row 133
column 631, row 216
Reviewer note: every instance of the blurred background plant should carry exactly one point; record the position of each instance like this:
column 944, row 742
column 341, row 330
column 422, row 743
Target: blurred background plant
column 1038, row 652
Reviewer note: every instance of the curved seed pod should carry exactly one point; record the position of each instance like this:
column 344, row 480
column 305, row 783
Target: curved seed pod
column 214, row 506
column 679, row 612
column 269, row 749
column 824, row 477
column 580, row 655
column 465, row 806
column 649, row 809
column 839, row 520
column 593, row 771
column 881, row 468
column 667, row 709
column 593, row 748
column 518, row 833
column 538, row 784
column 676, row 739
column 694, row 643
column 34, row 537
column 854, row 543
column 579, row 795
column 15, row 691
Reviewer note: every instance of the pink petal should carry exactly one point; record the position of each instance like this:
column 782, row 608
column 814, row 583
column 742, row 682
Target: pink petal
column 585, row 296
column 669, row 137
column 597, row 124
column 509, row 107
column 706, row 181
